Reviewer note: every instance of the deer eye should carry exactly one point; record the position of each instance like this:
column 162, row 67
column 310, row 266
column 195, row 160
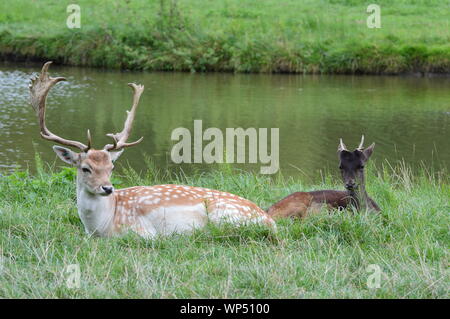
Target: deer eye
column 341, row 167
column 361, row 167
column 86, row 170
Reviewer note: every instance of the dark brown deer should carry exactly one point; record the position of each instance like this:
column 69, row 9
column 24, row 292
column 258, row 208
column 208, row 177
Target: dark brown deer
column 351, row 164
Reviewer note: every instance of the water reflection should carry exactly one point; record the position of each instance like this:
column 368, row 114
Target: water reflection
column 407, row 117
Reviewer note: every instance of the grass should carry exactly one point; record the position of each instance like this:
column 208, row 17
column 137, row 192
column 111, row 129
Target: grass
column 325, row 256
column 308, row 36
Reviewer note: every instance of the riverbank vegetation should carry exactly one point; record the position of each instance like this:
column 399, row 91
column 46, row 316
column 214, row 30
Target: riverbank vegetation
column 327, row 255
column 307, row 36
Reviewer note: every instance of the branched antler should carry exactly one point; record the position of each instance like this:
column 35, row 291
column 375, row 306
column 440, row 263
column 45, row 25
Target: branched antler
column 120, row 139
column 39, row 88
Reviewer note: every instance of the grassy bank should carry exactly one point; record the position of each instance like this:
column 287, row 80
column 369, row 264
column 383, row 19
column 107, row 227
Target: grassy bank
column 308, row 36
column 324, row 256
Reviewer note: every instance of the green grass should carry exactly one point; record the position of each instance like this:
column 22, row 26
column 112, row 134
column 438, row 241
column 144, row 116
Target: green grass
column 323, row 256
column 307, row 36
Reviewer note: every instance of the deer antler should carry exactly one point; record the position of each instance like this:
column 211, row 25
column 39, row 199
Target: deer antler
column 39, row 88
column 120, row 139
column 341, row 146
column 361, row 147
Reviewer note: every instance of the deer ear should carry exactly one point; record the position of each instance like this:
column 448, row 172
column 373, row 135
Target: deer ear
column 115, row 155
column 368, row 151
column 66, row 155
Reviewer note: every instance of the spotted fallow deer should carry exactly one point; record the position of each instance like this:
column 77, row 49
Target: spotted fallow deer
column 351, row 165
column 146, row 210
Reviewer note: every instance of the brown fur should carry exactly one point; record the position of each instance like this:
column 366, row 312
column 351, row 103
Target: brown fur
column 302, row 204
column 98, row 157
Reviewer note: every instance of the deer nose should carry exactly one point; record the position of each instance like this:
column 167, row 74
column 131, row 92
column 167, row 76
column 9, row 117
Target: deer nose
column 108, row 189
column 350, row 185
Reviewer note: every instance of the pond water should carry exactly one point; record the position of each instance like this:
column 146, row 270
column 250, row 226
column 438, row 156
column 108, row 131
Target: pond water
column 407, row 117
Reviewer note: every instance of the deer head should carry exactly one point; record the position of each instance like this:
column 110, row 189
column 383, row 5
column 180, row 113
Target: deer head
column 352, row 164
column 94, row 166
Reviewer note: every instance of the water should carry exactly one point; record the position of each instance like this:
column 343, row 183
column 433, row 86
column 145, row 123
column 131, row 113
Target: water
column 407, row 117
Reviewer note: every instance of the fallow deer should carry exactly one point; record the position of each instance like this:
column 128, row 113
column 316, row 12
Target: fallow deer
column 146, row 210
column 351, row 165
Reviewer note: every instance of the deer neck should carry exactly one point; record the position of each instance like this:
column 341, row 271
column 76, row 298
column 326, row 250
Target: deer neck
column 360, row 197
column 95, row 211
